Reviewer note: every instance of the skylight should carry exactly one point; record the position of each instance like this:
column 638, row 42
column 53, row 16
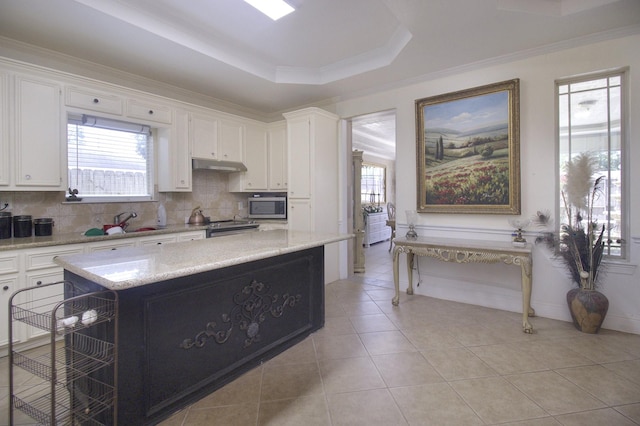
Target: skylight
column 274, row 9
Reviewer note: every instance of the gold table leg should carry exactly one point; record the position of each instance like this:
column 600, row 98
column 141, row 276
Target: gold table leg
column 527, row 310
column 410, row 258
column 396, row 276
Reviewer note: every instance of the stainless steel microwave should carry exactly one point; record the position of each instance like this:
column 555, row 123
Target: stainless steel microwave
column 267, row 207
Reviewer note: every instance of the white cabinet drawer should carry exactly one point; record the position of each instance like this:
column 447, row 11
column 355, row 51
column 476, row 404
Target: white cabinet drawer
column 149, row 111
column 191, row 236
column 9, row 264
column 93, row 100
column 43, row 258
column 156, row 240
column 111, row 245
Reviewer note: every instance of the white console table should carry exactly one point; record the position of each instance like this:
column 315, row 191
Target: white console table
column 466, row 251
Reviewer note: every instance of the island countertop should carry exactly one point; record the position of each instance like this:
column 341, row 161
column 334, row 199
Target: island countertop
column 132, row 267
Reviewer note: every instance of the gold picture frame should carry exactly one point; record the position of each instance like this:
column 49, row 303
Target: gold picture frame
column 468, row 150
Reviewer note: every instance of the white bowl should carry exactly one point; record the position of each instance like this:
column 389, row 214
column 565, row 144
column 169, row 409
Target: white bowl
column 115, row 230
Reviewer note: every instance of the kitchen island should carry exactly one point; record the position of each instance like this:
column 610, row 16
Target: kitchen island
column 193, row 316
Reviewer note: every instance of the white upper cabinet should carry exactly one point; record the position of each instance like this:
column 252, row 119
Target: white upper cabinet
column 216, row 138
column 4, row 130
column 278, row 157
column 255, row 158
column 300, row 144
column 203, row 133
column 230, row 140
column 38, row 135
column 148, row 110
column 174, row 156
column 312, row 138
column 265, row 155
column 93, row 100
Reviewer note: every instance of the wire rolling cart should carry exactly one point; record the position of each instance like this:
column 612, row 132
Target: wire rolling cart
column 74, row 378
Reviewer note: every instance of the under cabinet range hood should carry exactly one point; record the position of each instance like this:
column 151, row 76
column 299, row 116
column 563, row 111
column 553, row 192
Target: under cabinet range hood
column 219, row 165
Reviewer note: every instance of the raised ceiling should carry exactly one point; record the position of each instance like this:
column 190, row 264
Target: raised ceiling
column 324, row 51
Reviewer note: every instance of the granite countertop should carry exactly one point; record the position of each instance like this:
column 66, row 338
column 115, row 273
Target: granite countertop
column 132, row 267
column 79, row 238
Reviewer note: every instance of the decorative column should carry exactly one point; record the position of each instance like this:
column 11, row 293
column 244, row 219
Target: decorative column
column 358, row 220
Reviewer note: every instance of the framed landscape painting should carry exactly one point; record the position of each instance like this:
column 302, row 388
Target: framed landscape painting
column 468, row 150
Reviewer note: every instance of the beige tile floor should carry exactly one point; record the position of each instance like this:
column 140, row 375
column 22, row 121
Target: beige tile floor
column 427, row 362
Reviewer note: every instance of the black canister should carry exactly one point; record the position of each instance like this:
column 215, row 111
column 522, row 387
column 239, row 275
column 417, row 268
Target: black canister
column 22, row 226
column 43, row 226
column 5, row 225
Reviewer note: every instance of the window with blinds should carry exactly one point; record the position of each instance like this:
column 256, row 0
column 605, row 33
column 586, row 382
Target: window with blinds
column 109, row 160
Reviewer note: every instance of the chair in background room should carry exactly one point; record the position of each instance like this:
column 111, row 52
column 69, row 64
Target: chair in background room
column 391, row 222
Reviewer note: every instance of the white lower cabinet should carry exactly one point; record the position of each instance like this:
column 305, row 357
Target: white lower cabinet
column 50, row 293
column 376, row 228
column 312, row 178
column 9, row 283
column 300, row 215
column 41, row 269
column 33, row 267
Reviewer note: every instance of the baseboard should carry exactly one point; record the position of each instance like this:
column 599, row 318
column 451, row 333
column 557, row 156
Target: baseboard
column 510, row 300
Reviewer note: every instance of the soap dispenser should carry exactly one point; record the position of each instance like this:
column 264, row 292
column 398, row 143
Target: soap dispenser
column 162, row 216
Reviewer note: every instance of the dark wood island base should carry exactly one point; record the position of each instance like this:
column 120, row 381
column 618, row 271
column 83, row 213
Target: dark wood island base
column 183, row 338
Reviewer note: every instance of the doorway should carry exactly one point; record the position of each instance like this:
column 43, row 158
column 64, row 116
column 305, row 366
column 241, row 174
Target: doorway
column 375, row 136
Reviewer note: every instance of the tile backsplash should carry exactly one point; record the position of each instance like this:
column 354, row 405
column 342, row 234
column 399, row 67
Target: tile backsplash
column 210, row 192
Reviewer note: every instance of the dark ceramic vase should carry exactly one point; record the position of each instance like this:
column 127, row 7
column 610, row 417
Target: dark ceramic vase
column 588, row 309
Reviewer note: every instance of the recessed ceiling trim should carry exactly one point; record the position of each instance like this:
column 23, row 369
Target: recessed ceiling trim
column 550, row 7
column 349, row 67
column 364, row 62
column 169, row 32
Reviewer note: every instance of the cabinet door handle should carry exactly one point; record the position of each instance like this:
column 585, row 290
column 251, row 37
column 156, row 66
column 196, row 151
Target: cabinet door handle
column 96, row 100
column 39, row 283
column 150, row 112
column 27, row 177
column 6, row 287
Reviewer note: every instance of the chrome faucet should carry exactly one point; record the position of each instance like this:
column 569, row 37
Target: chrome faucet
column 124, row 222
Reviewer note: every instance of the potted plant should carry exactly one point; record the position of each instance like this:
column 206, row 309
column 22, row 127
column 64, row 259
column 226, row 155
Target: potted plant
column 579, row 242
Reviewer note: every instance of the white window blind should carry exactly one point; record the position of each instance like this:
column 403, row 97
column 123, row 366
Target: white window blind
column 109, row 160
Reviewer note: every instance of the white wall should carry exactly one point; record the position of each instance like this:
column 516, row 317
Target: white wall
column 498, row 285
